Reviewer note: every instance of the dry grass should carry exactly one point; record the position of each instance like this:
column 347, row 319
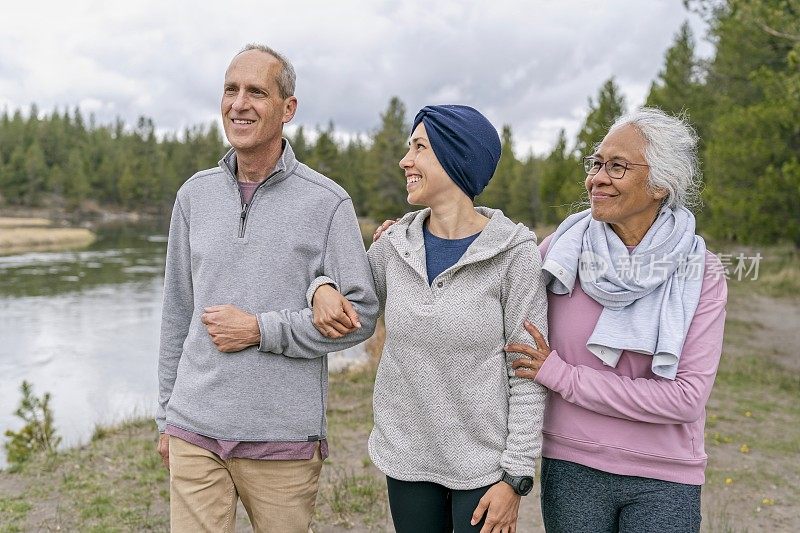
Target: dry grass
column 19, row 222
column 22, row 234
column 752, row 438
column 114, row 483
column 25, row 238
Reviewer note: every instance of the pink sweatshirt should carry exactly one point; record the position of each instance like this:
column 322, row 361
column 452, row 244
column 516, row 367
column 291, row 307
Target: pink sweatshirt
column 626, row 420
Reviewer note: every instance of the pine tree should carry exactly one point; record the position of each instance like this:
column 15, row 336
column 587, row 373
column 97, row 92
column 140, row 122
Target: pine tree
column 76, row 181
column 300, row 144
column 498, row 193
column 149, row 164
column 674, row 88
column 55, row 184
column 609, row 107
column 353, row 163
column 13, row 180
column 558, row 168
column 36, row 174
column 527, row 184
column 31, row 128
column 128, row 187
column 5, row 137
column 386, row 180
column 324, row 156
column 751, row 156
column 679, row 88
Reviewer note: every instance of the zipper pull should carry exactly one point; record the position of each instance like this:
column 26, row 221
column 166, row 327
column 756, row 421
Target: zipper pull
column 241, row 221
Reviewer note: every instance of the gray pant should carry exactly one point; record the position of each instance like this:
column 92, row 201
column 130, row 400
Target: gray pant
column 579, row 499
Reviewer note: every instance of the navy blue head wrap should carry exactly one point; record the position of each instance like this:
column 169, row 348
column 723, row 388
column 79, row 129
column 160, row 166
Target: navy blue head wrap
column 465, row 143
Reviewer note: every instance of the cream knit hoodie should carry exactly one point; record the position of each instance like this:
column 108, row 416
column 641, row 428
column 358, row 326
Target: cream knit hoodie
column 448, row 408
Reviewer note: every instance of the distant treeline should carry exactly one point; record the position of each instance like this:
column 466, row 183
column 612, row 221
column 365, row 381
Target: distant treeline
column 744, row 103
column 60, row 161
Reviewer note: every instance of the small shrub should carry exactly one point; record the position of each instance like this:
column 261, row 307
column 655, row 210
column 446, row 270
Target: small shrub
column 38, row 434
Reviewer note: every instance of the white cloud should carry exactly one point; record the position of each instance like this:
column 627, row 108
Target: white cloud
column 530, row 64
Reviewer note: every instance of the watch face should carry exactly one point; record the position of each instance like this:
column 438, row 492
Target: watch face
column 525, row 485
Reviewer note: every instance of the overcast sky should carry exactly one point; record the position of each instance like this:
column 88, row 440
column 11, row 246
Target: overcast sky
column 530, row 64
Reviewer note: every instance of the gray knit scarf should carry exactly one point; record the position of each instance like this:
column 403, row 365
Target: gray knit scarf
column 649, row 294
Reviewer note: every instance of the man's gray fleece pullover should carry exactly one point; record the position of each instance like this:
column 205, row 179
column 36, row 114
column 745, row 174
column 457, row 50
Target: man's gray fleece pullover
column 261, row 258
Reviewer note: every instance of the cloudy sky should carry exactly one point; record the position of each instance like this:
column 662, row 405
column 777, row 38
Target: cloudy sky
column 531, row 64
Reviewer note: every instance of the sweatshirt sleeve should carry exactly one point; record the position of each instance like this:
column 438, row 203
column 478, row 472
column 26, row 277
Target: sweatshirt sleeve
column 523, row 298
column 378, row 256
column 318, row 282
column 178, row 307
column 377, row 263
column 291, row 332
column 657, row 401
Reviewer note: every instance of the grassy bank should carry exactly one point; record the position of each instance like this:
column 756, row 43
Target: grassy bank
column 753, row 415
column 23, row 234
column 116, row 483
column 768, row 270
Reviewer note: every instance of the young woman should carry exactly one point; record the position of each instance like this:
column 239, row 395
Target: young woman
column 456, row 432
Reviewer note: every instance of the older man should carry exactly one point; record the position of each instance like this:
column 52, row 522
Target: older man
column 242, row 369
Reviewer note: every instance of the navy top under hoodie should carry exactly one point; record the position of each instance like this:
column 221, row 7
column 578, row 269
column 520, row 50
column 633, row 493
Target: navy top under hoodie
column 441, row 254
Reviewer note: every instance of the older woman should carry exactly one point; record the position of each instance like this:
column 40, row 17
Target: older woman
column 456, row 433
column 636, row 315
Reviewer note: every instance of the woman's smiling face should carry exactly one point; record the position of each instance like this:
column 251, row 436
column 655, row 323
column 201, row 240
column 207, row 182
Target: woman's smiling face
column 426, row 180
column 627, row 203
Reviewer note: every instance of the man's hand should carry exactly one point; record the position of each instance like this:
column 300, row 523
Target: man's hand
column 501, row 506
column 230, row 328
column 334, row 315
column 163, row 449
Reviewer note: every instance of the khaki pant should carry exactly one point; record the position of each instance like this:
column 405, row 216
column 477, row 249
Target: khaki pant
column 279, row 496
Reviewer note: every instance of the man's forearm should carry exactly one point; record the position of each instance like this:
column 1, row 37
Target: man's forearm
column 230, row 328
column 292, row 333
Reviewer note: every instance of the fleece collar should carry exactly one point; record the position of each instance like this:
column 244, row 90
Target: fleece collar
column 286, row 164
column 499, row 235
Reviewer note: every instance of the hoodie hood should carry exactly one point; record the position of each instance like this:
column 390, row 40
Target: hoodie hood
column 499, row 235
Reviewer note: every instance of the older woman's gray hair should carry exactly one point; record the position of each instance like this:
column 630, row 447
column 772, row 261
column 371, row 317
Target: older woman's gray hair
column 671, row 152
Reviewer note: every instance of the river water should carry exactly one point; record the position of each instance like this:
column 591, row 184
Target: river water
column 83, row 325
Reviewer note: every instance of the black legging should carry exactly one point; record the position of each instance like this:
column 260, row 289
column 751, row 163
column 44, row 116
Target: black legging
column 423, row 507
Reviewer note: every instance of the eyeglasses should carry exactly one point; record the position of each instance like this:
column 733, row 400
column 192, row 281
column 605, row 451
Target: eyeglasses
column 614, row 169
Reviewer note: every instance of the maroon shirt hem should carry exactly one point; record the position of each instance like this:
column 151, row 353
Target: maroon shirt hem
column 265, row 451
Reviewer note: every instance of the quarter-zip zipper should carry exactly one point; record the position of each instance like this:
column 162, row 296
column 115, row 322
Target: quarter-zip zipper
column 242, row 218
column 246, row 207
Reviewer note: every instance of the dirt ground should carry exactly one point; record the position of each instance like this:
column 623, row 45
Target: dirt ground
column 746, row 491
column 752, row 438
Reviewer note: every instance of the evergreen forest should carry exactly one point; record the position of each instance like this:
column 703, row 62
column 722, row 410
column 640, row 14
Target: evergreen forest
column 744, row 102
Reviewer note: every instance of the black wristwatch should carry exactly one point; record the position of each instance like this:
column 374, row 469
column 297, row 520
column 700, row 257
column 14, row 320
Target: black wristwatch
column 522, row 485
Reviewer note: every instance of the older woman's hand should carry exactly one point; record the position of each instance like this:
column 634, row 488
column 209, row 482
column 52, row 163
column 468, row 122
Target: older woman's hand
column 383, row 227
column 334, row 315
column 528, row 367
